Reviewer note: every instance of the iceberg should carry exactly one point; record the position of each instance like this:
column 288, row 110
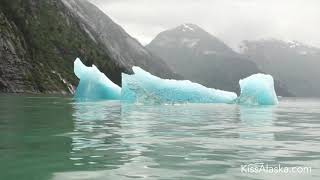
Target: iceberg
column 143, row 87
column 257, row 89
column 94, row 85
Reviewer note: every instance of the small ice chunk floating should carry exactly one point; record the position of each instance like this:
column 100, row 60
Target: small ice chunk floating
column 145, row 88
column 257, row 89
column 94, row 85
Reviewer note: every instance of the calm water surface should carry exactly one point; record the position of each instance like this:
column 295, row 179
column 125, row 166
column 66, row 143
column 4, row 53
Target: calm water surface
column 54, row 138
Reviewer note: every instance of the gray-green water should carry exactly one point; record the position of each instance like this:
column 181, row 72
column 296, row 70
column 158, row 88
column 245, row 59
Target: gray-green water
column 44, row 138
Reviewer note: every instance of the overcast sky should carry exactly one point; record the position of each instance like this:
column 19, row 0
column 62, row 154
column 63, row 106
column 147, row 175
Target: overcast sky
column 230, row 20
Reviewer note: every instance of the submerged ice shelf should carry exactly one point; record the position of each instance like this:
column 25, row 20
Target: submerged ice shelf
column 145, row 88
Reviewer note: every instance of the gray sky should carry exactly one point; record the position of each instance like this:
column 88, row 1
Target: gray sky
column 230, row 20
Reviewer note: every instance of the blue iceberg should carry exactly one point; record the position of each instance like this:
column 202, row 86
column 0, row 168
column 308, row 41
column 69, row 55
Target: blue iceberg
column 257, row 89
column 143, row 87
column 94, row 85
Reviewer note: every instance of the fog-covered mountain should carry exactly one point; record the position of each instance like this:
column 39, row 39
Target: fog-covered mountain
column 201, row 57
column 295, row 64
column 120, row 45
column 39, row 40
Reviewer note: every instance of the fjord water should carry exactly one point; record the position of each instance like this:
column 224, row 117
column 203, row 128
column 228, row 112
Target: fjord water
column 55, row 138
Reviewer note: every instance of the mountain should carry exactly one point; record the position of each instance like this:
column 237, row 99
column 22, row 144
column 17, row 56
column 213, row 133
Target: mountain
column 295, row 64
column 203, row 58
column 40, row 39
column 124, row 49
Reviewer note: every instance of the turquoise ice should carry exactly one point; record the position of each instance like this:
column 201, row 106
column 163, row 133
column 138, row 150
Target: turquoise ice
column 257, row 89
column 143, row 87
column 94, row 85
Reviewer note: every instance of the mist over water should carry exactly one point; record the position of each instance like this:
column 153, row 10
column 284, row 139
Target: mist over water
column 57, row 138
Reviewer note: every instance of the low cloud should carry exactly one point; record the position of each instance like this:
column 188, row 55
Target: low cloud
column 230, row 20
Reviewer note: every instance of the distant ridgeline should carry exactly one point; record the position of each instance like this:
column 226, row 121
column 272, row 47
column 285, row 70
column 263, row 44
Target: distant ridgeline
column 203, row 58
column 39, row 39
column 295, row 64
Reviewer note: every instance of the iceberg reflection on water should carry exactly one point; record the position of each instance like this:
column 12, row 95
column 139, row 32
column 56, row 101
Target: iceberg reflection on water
column 255, row 121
